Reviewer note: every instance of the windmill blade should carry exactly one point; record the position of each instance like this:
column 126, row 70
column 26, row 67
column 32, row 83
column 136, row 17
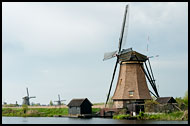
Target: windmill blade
column 153, row 94
column 149, row 78
column 33, row 97
column 151, row 69
column 124, row 28
column 27, row 92
column 112, row 81
column 62, row 100
column 59, row 97
column 109, row 55
column 153, row 81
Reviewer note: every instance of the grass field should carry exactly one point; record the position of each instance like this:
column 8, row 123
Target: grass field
column 38, row 112
column 178, row 115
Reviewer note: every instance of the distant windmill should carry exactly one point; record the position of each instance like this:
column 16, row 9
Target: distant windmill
column 16, row 103
column 26, row 99
column 59, row 101
column 4, row 102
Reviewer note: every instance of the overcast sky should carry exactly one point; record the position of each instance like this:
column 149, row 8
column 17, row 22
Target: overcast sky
column 58, row 48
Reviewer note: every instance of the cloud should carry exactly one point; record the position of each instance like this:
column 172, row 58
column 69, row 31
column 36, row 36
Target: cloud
column 59, row 46
column 44, row 71
column 58, row 28
column 41, row 29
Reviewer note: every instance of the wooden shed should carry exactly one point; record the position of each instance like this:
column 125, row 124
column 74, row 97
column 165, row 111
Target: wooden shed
column 166, row 100
column 80, row 106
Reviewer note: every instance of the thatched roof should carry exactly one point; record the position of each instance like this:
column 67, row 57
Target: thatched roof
column 78, row 102
column 164, row 100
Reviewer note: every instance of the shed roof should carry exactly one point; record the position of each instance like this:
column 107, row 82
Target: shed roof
column 163, row 100
column 78, row 102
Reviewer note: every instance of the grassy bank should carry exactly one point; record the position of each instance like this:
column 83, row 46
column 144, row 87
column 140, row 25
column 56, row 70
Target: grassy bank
column 101, row 103
column 34, row 112
column 178, row 115
column 38, row 112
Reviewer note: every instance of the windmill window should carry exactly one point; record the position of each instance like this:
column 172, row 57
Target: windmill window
column 120, row 81
column 131, row 93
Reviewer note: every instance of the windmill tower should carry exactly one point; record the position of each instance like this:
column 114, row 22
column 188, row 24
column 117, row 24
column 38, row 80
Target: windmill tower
column 26, row 99
column 131, row 84
column 59, row 101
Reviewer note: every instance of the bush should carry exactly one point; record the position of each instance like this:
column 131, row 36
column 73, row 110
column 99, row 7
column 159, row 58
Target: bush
column 185, row 98
column 141, row 115
column 183, row 102
column 95, row 110
column 150, row 105
column 24, row 108
column 121, row 116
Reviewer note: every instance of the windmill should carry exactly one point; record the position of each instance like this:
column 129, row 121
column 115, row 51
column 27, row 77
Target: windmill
column 131, row 84
column 26, row 99
column 59, row 101
column 4, row 102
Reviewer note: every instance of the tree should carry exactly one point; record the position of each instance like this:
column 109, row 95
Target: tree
column 185, row 98
column 32, row 104
column 51, row 103
column 24, row 108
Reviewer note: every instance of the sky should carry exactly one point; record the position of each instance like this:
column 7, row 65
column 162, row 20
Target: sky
column 58, row 47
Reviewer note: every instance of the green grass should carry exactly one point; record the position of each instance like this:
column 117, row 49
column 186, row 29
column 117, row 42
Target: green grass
column 164, row 116
column 38, row 112
column 121, row 116
column 50, row 112
column 95, row 110
column 101, row 103
column 34, row 112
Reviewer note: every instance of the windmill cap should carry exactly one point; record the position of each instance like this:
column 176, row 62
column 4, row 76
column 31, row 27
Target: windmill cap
column 132, row 56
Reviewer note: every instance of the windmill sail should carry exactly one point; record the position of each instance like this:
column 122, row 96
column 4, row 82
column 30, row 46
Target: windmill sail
column 112, row 81
column 27, row 92
column 109, row 55
column 122, row 41
column 32, row 97
column 123, row 35
column 59, row 97
column 126, row 27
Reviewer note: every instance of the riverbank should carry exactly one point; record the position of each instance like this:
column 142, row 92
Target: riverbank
column 51, row 112
column 178, row 116
column 38, row 112
column 55, row 106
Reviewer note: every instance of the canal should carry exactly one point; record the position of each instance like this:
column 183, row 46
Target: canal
column 66, row 120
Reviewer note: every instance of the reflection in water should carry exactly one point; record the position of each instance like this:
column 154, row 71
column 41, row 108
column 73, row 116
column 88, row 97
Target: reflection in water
column 64, row 120
column 24, row 120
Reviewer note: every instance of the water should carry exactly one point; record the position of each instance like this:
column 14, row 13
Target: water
column 66, row 120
